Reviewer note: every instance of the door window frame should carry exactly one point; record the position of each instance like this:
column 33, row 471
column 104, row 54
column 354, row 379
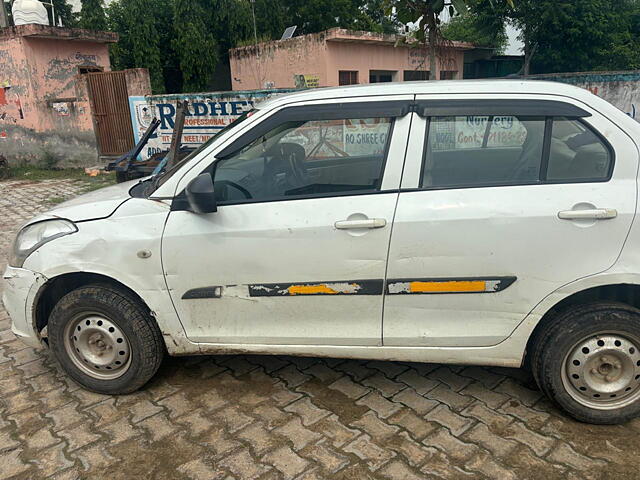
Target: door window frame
column 392, row 109
column 547, row 109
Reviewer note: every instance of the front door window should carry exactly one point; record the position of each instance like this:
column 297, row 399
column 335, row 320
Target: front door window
column 306, row 159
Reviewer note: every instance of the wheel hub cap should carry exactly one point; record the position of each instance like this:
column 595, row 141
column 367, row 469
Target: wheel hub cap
column 603, row 371
column 97, row 346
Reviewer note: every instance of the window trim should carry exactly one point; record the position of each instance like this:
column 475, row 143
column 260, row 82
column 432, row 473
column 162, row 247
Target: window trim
column 544, row 162
column 607, row 145
column 334, row 111
column 497, row 107
column 370, row 191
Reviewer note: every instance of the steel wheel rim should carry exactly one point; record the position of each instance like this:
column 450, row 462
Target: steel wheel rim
column 602, row 371
column 97, row 346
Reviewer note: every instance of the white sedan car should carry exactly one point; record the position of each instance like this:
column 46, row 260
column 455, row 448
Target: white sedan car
column 481, row 222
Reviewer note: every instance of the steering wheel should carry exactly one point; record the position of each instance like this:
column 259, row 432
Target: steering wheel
column 240, row 188
column 294, row 155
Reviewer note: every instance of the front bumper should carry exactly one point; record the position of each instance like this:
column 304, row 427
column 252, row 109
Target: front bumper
column 20, row 289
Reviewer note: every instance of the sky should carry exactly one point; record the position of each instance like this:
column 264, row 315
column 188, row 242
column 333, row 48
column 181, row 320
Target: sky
column 515, row 45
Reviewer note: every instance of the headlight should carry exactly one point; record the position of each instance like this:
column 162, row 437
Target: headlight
column 32, row 237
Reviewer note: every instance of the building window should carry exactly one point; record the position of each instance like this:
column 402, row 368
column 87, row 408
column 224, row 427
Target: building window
column 381, row 76
column 448, row 75
column 347, row 77
column 414, row 75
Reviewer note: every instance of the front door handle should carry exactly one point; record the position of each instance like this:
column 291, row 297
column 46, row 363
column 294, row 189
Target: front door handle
column 594, row 214
column 366, row 223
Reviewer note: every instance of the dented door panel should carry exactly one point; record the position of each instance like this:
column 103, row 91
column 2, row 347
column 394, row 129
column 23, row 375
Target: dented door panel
column 286, row 272
column 330, row 289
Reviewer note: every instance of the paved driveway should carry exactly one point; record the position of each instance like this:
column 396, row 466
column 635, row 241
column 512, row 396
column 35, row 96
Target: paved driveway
column 281, row 417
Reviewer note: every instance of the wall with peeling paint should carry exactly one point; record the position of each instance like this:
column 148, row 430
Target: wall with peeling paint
column 45, row 115
column 322, row 55
column 621, row 89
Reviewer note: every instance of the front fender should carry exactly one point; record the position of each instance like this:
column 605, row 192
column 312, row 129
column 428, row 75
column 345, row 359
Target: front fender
column 126, row 249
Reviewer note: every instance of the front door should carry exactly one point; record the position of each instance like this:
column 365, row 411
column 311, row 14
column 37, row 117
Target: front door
column 297, row 251
column 504, row 206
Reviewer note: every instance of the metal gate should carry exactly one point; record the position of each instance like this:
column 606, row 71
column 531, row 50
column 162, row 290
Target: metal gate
column 110, row 107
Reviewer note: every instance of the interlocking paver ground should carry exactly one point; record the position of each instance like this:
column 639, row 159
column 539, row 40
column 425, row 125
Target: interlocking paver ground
column 282, row 417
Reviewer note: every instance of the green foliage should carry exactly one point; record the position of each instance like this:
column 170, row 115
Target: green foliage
column 317, row 15
column 64, row 12
column 624, row 53
column 477, row 28
column 182, row 42
column 49, row 160
column 92, row 15
column 194, row 43
column 569, row 36
column 141, row 25
column 373, row 18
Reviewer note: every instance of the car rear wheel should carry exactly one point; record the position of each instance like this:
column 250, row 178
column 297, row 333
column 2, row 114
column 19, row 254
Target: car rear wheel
column 105, row 339
column 588, row 362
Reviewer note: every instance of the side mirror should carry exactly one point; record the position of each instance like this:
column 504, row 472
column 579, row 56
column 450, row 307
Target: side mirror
column 200, row 194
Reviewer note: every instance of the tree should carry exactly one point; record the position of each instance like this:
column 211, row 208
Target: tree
column 194, row 44
column 375, row 18
column 64, row 13
column 477, row 28
column 624, row 53
column 92, row 15
column 138, row 24
column 567, row 36
column 427, row 14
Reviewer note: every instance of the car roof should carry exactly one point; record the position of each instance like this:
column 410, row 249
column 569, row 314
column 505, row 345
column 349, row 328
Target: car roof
column 510, row 86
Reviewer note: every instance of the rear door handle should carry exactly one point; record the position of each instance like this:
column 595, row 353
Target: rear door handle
column 595, row 214
column 367, row 223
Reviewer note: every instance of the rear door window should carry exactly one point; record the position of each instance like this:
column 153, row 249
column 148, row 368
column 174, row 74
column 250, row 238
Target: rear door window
column 483, row 150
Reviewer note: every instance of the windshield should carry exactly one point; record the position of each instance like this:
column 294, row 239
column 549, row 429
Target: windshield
column 163, row 176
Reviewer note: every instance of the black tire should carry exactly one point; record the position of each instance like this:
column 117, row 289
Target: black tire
column 558, row 338
column 123, row 309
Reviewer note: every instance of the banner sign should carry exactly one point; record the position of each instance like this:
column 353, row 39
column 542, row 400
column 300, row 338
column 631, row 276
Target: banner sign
column 306, row 81
column 208, row 114
column 455, row 133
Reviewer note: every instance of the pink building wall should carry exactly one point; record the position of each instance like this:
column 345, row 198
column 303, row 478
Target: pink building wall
column 44, row 107
column 274, row 64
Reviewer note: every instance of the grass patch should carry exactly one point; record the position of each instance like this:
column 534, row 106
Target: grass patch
column 35, row 174
column 39, row 174
column 57, row 200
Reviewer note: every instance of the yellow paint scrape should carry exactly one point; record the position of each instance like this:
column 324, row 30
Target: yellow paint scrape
column 315, row 289
column 452, row 286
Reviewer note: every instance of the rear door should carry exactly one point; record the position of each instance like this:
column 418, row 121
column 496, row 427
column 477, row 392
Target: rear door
column 508, row 200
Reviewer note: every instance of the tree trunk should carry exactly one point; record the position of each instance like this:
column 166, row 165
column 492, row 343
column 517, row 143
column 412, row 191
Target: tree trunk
column 529, row 52
column 434, row 68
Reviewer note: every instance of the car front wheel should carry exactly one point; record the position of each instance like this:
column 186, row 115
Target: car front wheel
column 105, row 339
column 588, row 362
